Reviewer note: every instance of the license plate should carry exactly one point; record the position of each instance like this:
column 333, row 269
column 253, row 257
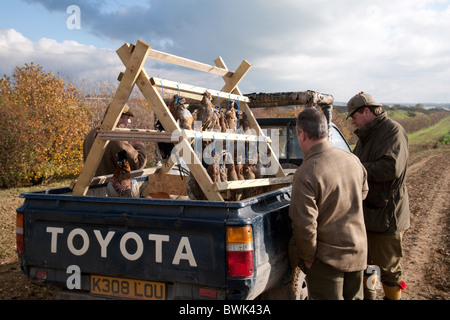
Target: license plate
column 127, row 288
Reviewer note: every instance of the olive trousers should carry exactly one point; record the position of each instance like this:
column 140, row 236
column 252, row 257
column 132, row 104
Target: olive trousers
column 385, row 251
column 326, row 283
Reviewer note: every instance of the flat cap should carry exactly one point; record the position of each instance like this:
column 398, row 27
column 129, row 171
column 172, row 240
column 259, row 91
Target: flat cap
column 126, row 110
column 361, row 100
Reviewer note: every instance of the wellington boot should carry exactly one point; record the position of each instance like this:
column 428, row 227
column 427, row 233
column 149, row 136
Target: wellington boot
column 392, row 292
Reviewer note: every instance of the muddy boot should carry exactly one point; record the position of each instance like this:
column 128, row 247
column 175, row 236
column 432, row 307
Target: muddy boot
column 393, row 291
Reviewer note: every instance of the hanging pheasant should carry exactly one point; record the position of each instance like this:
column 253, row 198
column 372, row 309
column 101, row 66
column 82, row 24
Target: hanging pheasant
column 230, row 116
column 173, row 105
column 184, row 116
column 245, row 124
column 239, row 167
column 206, row 112
column 121, row 184
column 223, row 124
column 180, row 112
column 193, row 189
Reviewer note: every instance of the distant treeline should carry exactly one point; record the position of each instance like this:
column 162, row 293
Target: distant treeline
column 423, row 119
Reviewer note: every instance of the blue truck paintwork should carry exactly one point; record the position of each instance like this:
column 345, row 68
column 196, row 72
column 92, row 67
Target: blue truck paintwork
column 203, row 222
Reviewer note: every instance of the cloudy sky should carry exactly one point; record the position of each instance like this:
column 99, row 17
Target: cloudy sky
column 397, row 50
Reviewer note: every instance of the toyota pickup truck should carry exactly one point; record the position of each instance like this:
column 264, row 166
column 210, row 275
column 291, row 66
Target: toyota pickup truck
column 145, row 248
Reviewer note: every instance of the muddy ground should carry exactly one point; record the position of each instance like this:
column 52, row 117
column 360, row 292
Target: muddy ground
column 426, row 261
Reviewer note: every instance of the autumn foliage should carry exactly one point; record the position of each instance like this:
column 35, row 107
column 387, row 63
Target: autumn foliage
column 42, row 127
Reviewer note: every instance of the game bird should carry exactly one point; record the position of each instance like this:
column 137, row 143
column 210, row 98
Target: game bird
column 249, row 174
column 231, row 176
column 173, row 105
column 223, row 124
column 164, row 148
column 206, row 112
column 180, row 112
column 193, row 189
column 121, row 184
column 184, row 117
column 239, row 167
column 230, row 116
column 245, row 124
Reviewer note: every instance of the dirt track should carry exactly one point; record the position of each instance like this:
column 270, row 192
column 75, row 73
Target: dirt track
column 427, row 247
column 426, row 262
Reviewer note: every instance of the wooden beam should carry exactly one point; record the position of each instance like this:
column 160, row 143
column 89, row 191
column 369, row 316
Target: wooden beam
column 120, row 134
column 106, row 178
column 150, row 93
column 169, row 58
column 228, row 81
column 237, row 77
column 252, row 183
column 196, row 92
column 230, row 136
column 153, row 98
column 134, row 66
column 307, row 98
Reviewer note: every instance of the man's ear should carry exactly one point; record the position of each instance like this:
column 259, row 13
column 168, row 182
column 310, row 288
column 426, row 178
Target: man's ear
column 301, row 135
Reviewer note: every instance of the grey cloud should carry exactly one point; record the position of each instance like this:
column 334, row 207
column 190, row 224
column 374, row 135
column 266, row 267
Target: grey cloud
column 337, row 47
column 201, row 27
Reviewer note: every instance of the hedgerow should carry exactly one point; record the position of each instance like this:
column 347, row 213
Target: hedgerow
column 42, row 127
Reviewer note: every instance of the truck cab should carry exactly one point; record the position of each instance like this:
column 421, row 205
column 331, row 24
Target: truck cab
column 289, row 151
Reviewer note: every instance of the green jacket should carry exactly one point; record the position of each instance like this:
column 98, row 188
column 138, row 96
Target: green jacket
column 383, row 150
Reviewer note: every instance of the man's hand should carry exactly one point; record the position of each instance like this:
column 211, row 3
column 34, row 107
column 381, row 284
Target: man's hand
column 138, row 143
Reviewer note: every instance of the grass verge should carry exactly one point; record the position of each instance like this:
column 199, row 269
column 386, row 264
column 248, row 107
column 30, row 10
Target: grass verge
column 425, row 141
column 431, row 134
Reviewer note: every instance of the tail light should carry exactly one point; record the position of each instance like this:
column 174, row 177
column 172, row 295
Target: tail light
column 240, row 252
column 19, row 233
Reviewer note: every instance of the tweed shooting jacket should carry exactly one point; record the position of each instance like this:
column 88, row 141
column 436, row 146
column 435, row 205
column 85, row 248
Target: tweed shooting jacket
column 326, row 210
column 135, row 154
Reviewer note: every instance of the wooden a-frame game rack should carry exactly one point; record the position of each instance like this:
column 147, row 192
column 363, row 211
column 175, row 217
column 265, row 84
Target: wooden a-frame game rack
column 134, row 57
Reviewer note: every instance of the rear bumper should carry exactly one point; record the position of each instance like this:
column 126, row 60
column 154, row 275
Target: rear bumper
column 174, row 291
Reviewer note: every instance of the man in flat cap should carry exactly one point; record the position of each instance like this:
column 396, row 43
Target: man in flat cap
column 135, row 152
column 382, row 148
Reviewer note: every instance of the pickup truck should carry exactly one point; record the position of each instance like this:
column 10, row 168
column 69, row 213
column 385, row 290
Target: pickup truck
column 96, row 246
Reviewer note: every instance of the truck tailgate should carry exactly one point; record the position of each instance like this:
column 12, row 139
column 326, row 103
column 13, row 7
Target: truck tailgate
column 160, row 240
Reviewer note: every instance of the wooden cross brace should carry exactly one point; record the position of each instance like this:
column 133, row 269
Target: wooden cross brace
column 134, row 66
